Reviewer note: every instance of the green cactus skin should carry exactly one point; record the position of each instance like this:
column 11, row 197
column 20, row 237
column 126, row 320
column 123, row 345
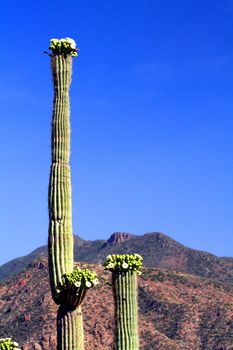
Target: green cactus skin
column 125, row 289
column 70, row 328
column 60, row 241
column 125, row 268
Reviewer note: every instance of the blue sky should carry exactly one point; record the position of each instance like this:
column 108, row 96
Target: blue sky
column 151, row 115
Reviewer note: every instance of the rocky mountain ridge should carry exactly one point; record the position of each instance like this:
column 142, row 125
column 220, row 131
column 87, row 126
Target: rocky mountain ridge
column 157, row 249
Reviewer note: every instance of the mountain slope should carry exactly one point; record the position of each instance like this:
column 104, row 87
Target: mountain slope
column 177, row 311
column 157, row 249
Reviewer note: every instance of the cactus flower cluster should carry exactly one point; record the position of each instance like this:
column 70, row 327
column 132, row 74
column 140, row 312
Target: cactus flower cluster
column 8, row 344
column 65, row 47
column 123, row 263
column 81, row 278
column 76, row 284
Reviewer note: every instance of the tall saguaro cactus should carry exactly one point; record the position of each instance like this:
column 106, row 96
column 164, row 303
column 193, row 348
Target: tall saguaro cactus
column 125, row 269
column 60, row 206
column 68, row 286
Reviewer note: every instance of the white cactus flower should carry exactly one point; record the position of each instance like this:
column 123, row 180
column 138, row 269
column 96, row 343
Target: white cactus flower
column 71, row 42
column 77, row 284
column 125, row 265
column 88, row 284
column 95, row 282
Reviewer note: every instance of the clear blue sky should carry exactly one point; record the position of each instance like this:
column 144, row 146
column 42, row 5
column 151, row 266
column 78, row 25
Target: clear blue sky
column 151, row 114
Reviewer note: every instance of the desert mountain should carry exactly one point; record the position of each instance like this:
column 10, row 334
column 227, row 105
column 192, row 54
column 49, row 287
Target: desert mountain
column 157, row 249
column 177, row 311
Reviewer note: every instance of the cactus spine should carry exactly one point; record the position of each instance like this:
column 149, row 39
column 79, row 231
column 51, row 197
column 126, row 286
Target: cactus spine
column 125, row 269
column 60, row 241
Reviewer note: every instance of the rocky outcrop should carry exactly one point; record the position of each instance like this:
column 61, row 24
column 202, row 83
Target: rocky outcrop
column 119, row 237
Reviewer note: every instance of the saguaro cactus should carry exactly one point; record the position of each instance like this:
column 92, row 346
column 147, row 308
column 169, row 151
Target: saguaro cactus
column 125, row 269
column 60, row 207
column 68, row 287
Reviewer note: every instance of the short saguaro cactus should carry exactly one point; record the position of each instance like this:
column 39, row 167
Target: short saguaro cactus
column 125, row 269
